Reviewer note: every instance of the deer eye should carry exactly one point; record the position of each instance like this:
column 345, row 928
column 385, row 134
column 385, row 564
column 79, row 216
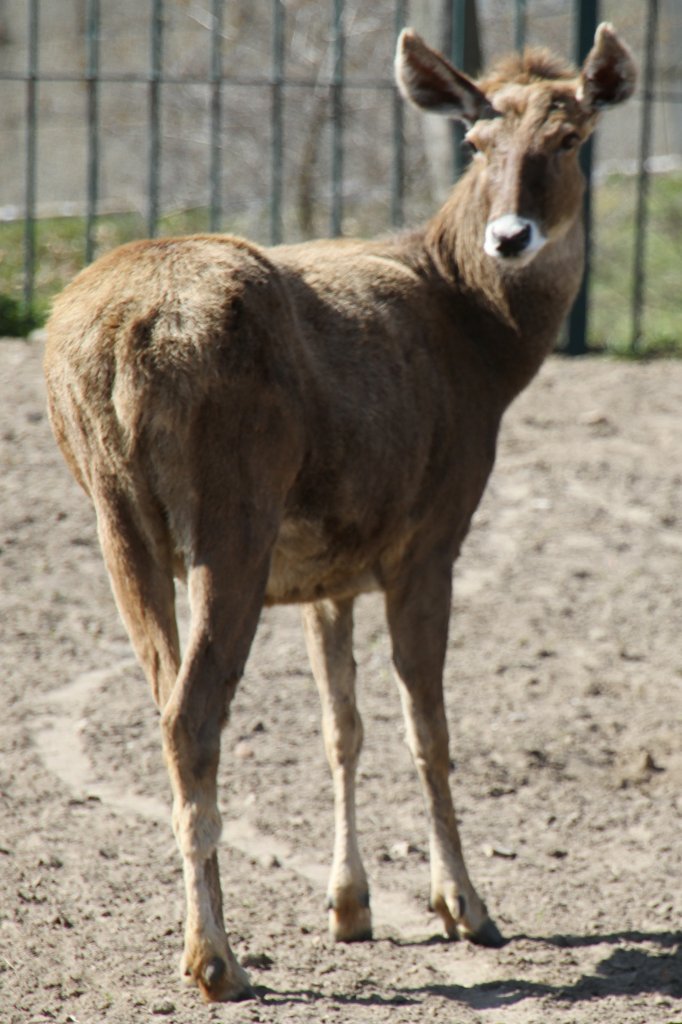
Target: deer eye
column 570, row 141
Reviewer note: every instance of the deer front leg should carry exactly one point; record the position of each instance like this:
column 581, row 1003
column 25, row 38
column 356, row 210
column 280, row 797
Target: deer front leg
column 329, row 637
column 418, row 611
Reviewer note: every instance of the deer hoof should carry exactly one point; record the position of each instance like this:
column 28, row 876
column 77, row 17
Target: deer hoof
column 219, row 984
column 487, row 935
column 350, row 919
column 214, row 972
column 219, row 981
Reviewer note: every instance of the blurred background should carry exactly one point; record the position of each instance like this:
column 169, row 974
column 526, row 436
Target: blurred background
column 279, row 120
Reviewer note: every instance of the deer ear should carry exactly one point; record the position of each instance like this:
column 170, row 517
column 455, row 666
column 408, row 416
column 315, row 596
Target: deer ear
column 430, row 82
column 609, row 73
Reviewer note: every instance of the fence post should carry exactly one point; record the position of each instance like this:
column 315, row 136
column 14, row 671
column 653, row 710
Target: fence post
column 398, row 163
column 338, row 53
column 215, row 171
column 641, row 217
column 586, row 26
column 92, row 79
column 155, row 117
column 466, row 56
column 31, row 152
column 520, row 17
column 277, row 121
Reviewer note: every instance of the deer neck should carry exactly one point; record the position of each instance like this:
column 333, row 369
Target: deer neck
column 522, row 310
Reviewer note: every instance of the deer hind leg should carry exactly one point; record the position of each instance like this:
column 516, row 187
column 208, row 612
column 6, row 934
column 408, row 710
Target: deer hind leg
column 418, row 613
column 226, row 593
column 142, row 581
column 226, row 586
column 329, row 637
column 144, row 590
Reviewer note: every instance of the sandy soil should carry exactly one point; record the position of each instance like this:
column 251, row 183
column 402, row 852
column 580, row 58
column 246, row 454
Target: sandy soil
column 564, row 686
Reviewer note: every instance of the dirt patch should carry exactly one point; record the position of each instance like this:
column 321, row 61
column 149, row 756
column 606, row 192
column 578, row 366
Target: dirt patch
column 564, row 688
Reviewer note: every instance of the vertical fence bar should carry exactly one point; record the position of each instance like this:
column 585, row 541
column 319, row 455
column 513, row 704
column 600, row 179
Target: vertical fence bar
column 458, row 13
column 465, row 51
column 398, row 164
column 520, row 25
column 215, row 171
column 31, row 152
column 93, row 27
column 155, row 118
column 585, row 28
column 277, row 118
column 338, row 47
column 642, row 214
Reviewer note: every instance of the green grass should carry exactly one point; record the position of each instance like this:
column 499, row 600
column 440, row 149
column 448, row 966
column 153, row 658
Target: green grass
column 613, row 271
column 16, row 321
column 60, row 254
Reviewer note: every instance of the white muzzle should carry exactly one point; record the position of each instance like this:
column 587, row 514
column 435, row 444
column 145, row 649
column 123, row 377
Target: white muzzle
column 513, row 238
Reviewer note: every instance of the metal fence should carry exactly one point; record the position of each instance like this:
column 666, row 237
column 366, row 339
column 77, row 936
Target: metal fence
column 459, row 24
column 219, row 80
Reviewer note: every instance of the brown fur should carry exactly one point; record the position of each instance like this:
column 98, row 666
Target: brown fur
column 535, row 64
column 308, row 422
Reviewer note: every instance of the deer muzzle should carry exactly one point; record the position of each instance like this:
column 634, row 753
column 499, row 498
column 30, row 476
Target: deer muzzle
column 513, row 238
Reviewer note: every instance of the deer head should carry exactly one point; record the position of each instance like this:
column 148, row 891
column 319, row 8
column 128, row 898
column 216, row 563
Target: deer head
column 526, row 121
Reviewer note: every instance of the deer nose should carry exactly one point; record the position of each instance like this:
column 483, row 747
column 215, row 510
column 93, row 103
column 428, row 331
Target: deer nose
column 510, row 236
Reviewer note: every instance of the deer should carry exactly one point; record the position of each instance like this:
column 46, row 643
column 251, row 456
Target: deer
column 310, row 422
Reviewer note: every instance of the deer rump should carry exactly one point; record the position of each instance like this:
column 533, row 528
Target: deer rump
column 305, row 423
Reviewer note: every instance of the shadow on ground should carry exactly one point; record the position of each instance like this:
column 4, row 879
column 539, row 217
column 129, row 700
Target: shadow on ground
column 626, row 971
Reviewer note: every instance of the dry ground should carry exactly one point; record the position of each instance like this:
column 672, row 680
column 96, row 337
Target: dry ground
column 564, row 686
